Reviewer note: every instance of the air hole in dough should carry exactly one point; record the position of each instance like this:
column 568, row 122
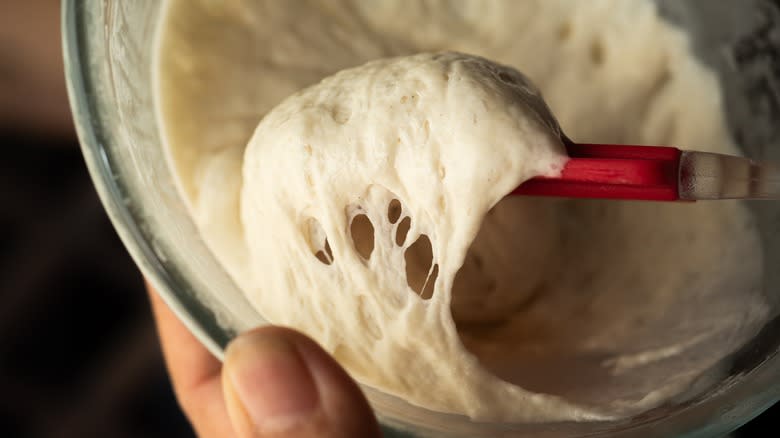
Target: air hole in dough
column 318, row 241
column 420, row 272
column 325, row 255
column 402, row 230
column 394, row 211
column 340, row 114
column 362, row 231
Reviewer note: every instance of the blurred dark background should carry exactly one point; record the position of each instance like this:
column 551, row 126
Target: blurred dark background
column 78, row 350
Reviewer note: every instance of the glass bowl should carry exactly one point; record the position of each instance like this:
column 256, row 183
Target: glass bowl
column 108, row 56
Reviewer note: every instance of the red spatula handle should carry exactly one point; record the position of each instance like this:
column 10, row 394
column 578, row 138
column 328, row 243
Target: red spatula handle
column 613, row 172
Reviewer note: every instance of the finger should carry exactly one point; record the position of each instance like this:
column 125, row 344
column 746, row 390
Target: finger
column 280, row 384
column 194, row 371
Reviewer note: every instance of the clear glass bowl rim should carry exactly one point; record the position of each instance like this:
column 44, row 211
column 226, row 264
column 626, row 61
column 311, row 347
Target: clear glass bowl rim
column 719, row 414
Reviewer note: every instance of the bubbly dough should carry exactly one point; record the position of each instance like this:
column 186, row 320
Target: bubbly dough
column 357, row 200
column 448, row 136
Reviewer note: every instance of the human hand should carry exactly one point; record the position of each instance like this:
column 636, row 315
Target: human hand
column 274, row 383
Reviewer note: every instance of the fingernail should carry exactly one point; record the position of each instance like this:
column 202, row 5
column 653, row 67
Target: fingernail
column 271, row 380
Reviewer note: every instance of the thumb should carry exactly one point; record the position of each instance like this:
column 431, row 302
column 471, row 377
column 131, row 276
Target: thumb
column 278, row 384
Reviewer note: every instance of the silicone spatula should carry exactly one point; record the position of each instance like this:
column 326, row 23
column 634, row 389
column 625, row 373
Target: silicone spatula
column 656, row 173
